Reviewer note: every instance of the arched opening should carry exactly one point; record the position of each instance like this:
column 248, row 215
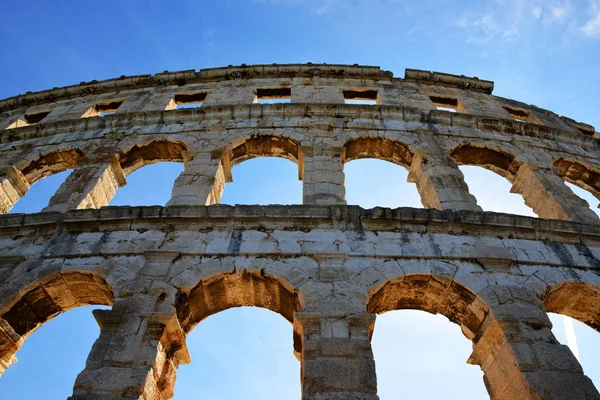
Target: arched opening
column 151, row 169
column 582, row 179
column 493, row 192
column 37, row 180
column 376, row 173
column 496, row 160
column 238, row 333
column 574, row 309
column 50, row 360
column 44, row 300
column 39, row 194
column 152, row 152
column 489, row 173
column 252, row 345
column 414, row 348
column 408, row 356
column 148, row 186
column 265, row 171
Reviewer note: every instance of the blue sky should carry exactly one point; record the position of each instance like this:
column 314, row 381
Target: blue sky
column 545, row 53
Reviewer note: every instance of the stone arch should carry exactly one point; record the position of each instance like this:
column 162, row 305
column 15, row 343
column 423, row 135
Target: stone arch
column 434, row 294
column 236, row 289
column 496, row 160
column 263, row 146
column 43, row 300
column 580, row 174
column 49, row 163
column 578, row 300
column 380, row 148
column 151, row 152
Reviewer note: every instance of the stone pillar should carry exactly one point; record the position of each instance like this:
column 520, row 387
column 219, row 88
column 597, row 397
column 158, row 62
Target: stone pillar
column 549, row 197
column 10, row 342
column 140, row 347
column 203, row 179
column 440, row 183
column 337, row 359
column 322, row 171
column 13, row 186
column 316, row 93
column 519, row 355
column 232, row 92
column 90, row 185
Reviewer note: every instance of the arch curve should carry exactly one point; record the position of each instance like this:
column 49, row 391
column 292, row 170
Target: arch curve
column 49, row 163
column 578, row 173
column 236, row 289
column 44, row 299
column 496, row 160
column 380, row 148
column 578, row 300
column 434, row 294
column 263, row 146
column 151, row 152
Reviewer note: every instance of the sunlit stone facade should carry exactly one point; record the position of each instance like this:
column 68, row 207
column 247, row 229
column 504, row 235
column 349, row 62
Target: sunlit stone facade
column 327, row 267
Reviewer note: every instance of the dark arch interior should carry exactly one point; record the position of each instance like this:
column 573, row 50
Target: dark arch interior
column 51, row 163
column 579, row 174
column 577, row 300
column 152, row 152
column 433, row 294
column 380, row 148
column 245, row 288
column 54, row 295
column 264, row 146
column 498, row 161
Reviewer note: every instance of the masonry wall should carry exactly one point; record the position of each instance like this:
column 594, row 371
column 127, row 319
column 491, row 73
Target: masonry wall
column 328, row 268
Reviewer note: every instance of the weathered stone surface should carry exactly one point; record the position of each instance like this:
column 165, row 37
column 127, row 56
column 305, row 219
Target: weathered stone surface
column 326, row 267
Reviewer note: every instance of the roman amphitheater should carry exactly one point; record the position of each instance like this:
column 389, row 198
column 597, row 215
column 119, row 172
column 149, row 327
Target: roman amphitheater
column 327, row 267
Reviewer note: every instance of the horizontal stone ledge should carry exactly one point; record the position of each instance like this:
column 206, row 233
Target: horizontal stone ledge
column 330, row 112
column 342, row 217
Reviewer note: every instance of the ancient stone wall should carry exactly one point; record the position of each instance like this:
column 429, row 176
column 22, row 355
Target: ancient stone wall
column 327, row 267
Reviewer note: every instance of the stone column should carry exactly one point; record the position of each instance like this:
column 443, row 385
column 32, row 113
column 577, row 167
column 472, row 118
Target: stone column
column 519, row 355
column 316, row 93
column 322, row 172
column 140, row 347
column 13, row 186
column 549, row 197
column 337, row 359
column 440, row 183
column 10, row 342
column 90, row 185
column 203, row 179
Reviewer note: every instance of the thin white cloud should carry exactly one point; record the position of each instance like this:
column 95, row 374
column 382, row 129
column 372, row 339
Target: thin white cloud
column 505, row 21
column 591, row 28
column 570, row 335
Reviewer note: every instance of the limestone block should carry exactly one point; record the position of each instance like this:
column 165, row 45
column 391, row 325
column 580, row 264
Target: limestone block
column 13, row 186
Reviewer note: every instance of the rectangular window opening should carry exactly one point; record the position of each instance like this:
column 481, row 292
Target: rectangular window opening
column 517, row 114
column 445, row 103
column 357, row 96
column 103, row 109
column 585, row 130
column 273, row 96
column 31, row 119
column 189, row 100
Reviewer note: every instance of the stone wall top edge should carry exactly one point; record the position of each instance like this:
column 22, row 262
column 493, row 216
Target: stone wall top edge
column 334, row 217
column 167, row 78
column 450, row 80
